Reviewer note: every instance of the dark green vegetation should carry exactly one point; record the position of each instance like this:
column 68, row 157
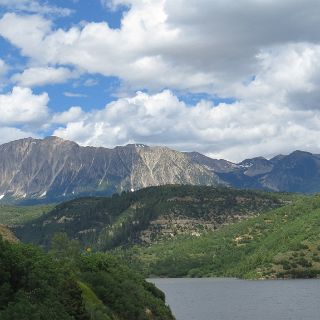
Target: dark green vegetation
column 283, row 243
column 65, row 284
column 148, row 215
column 15, row 215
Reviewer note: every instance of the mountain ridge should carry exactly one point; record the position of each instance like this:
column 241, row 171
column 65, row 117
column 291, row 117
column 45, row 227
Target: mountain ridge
column 54, row 170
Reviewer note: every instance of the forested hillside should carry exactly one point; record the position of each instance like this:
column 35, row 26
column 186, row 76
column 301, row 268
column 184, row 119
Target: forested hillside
column 66, row 284
column 16, row 215
column 148, row 216
column 282, row 243
column 194, row 231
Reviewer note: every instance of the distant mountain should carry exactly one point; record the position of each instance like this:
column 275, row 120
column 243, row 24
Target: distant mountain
column 296, row 172
column 53, row 169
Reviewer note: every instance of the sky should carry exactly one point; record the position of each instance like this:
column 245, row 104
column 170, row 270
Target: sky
column 230, row 79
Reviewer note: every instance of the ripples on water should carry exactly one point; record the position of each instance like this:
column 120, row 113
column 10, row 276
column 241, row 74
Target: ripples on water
column 231, row 299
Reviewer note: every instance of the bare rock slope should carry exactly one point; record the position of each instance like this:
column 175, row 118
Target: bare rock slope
column 54, row 168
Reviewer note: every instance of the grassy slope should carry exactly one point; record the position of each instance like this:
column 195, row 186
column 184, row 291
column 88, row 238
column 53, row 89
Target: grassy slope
column 14, row 215
column 282, row 243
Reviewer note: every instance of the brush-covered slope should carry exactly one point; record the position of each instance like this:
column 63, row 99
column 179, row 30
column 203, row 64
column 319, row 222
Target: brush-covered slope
column 7, row 234
column 66, row 285
column 283, row 243
column 56, row 169
column 147, row 215
column 16, row 215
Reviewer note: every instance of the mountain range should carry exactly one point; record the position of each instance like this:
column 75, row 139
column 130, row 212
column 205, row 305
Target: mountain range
column 53, row 169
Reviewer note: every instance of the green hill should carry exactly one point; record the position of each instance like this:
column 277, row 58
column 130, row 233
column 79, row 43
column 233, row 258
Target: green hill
column 193, row 231
column 148, row 215
column 15, row 215
column 66, row 284
column 282, row 243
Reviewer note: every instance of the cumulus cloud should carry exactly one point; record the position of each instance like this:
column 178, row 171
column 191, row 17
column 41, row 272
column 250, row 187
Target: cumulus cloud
column 286, row 75
column 73, row 114
column 22, row 107
column 26, row 32
column 230, row 131
column 8, row 134
column 188, row 45
column 42, row 76
column 23, row 113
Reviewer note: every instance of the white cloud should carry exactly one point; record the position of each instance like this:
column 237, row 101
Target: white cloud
column 91, row 82
column 189, row 45
column 42, row 76
column 34, row 6
column 22, row 107
column 27, row 33
column 288, row 75
column 73, row 114
column 230, row 131
column 8, row 134
column 3, row 67
column 74, row 95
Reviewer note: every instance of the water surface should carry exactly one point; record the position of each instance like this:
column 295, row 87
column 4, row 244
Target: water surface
column 231, row 299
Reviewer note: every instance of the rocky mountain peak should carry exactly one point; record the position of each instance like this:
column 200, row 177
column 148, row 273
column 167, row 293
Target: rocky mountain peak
column 59, row 169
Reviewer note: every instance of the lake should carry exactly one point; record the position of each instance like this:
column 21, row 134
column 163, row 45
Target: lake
column 231, row 299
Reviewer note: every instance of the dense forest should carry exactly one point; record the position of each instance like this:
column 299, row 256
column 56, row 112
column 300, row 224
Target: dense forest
column 69, row 284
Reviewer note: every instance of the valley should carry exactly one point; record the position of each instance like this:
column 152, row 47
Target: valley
column 102, row 248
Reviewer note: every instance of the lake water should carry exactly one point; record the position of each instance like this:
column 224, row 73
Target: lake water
column 231, row 299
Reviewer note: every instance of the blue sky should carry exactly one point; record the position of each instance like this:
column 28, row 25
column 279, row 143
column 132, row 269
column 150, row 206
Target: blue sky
column 90, row 91
column 229, row 79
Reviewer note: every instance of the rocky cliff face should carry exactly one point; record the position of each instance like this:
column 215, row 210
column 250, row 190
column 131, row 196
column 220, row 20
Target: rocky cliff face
column 53, row 168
